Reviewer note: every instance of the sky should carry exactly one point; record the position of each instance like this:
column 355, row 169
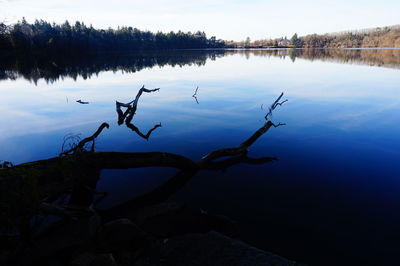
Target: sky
column 225, row 19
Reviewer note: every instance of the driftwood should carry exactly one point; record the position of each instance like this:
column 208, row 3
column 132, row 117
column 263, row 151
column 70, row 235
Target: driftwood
column 80, row 147
column 237, row 155
column 80, row 101
column 274, row 105
column 130, row 111
column 77, row 170
column 241, row 150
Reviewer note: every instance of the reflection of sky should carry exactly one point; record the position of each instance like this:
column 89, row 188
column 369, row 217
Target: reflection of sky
column 328, row 102
column 347, row 96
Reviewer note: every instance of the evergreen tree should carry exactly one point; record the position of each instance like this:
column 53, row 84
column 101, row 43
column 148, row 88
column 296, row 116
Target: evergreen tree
column 295, row 41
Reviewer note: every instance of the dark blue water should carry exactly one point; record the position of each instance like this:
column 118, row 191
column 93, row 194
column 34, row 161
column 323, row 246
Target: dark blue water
column 333, row 198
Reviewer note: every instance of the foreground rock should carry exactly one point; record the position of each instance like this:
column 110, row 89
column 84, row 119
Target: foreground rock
column 211, row 249
column 166, row 234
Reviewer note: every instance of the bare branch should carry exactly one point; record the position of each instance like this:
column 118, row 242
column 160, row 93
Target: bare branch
column 274, row 105
column 278, row 125
column 80, row 147
column 129, row 113
column 242, row 148
column 143, row 89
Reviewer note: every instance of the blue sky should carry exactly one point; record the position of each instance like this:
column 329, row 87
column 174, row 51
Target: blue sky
column 235, row 19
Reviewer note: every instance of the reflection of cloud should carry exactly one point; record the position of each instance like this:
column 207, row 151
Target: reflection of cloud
column 231, row 87
column 359, row 117
column 19, row 123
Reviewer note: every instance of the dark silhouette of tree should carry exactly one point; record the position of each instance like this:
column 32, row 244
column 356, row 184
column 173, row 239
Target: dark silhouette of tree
column 78, row 38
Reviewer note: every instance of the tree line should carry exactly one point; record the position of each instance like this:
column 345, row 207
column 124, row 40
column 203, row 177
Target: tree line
column 42, row 36
column 377, row 37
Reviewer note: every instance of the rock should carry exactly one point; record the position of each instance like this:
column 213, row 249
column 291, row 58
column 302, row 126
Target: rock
column 59, row 239
column 223, row 225
column 170, row 219
column 212, row 249
column 104, row 260
column 91, row 259
column 84, row 259
column 67, row 234
column 157, row 210
column 121, row 234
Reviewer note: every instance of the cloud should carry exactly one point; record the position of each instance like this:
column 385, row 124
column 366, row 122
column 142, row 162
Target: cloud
column 225, row 19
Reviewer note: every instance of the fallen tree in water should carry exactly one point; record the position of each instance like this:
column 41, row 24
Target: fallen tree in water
column 65, row 187
column 130, row 111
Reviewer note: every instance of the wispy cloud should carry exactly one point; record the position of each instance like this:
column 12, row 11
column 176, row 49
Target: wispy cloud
column 226, row 19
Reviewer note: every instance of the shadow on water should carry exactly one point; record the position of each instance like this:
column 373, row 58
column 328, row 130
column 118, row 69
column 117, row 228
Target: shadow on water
column 49, row 214
column 51, row 69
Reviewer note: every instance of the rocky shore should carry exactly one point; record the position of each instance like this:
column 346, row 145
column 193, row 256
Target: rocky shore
column 169, row 233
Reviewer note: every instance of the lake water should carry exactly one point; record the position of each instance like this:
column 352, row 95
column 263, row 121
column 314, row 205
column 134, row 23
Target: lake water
column 332, row 198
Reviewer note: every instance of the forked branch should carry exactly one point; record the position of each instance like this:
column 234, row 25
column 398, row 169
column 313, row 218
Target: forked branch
column 242, row 148
column 129, row 113
column 80, row 147
column 274, row 105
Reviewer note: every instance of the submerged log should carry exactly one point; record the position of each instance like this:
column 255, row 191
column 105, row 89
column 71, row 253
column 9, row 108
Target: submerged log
column 77, row 170
column 76, row 173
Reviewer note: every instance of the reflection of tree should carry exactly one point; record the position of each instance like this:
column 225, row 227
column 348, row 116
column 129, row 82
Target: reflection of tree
column 195, row 95
column 34, row 68
column 53, row 68
column 373, row 57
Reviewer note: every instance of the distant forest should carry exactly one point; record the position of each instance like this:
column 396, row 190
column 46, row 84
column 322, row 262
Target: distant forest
column 377, row 37
column 42, row 36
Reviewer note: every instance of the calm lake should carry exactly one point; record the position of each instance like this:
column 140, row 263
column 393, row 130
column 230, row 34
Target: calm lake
column 332, row 198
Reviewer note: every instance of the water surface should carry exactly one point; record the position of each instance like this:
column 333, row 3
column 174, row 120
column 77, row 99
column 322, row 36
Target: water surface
column 333, row 197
